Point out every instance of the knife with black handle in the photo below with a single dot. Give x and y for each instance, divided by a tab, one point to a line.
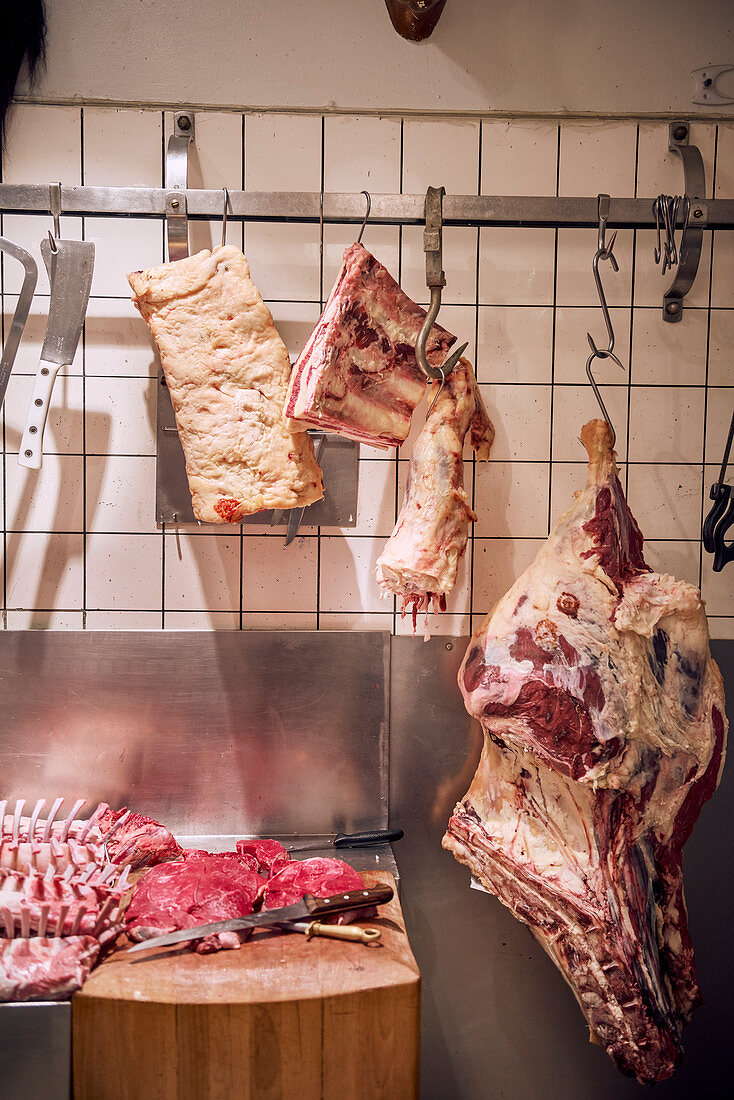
350	840
308	908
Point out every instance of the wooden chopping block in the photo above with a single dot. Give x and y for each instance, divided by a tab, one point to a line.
283	1017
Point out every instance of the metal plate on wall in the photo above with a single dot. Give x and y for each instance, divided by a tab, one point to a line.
339	461
244	732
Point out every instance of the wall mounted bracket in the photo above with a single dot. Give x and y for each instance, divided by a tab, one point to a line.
695	219
177	179
705	91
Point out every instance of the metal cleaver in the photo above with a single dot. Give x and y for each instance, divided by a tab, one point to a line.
70	268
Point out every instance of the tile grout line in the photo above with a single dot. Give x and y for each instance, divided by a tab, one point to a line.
554	324
472	559
633	275
242	244
163	258
84	400
321	308
396	457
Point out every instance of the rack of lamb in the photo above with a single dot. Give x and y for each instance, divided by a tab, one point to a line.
603	715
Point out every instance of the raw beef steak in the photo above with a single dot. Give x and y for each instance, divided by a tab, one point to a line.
268	855
319	876
201	889
604	725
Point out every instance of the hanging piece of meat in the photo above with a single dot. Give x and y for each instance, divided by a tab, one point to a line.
227	371
358	374
603	715
421	558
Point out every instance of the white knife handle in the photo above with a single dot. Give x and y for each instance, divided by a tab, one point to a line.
31	445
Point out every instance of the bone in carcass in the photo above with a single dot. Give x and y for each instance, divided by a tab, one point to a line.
421	558
41	969
227	371
358	374
201	889
603	716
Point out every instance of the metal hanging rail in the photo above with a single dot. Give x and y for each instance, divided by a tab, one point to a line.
348	208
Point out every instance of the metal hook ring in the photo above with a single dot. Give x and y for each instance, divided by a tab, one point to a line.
366	216
224	216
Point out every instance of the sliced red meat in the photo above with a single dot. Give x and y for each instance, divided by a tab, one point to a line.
201	889
358	374
139	841
321	877
268	855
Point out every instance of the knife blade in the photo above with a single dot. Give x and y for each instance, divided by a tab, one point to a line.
294	519
350	840
70	269
308	907
21	310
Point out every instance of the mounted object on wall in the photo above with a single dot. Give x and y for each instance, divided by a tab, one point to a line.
415	19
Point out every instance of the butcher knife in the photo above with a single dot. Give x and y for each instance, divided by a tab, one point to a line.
70	265
350	840
21	310
308	908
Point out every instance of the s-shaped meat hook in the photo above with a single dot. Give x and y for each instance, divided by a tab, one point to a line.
603	252
435	281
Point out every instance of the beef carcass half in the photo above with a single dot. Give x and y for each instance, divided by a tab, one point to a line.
227	370
421	558
603	715
358	374
200	890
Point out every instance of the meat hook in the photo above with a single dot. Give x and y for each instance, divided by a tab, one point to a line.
54	204
366	216
435	281
721	514
603	252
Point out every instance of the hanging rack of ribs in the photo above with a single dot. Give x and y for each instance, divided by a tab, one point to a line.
603	715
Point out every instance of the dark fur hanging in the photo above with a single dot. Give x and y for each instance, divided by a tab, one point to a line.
22	36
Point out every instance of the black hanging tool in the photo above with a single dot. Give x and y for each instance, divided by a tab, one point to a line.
721	517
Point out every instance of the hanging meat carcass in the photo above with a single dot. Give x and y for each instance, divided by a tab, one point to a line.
421	558
603	715
358	374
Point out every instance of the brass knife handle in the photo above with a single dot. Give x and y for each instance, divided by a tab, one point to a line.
350	899
343	932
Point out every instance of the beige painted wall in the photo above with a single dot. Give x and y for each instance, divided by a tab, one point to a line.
537	56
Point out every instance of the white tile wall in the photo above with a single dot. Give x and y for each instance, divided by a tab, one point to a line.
80	545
